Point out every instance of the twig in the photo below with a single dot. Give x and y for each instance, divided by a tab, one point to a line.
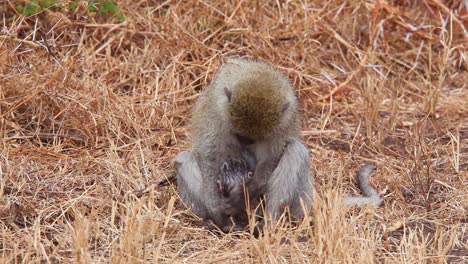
39	90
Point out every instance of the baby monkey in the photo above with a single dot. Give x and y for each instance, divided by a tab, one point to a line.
235	174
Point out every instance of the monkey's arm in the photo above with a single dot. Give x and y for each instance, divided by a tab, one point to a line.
291	183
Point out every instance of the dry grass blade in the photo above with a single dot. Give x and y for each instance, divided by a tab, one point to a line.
95	102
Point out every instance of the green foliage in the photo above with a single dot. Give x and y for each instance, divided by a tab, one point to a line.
93	6
109	7
102	7
34	7
74	5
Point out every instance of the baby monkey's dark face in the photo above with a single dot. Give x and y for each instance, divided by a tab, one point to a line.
243	140
235	173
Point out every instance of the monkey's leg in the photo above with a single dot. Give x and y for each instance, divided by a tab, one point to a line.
291	183
189	183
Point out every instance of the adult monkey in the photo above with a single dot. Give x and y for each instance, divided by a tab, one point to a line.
250	107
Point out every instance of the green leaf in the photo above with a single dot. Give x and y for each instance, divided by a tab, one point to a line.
122	18
109	7
73	6
93	6
20	9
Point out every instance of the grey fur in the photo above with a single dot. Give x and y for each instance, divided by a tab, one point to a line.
213	143
282	164
371	196
235	173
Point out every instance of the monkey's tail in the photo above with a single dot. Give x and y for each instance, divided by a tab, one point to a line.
371	196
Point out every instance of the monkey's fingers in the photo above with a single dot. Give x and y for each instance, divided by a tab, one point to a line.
220	186
225	168
212	227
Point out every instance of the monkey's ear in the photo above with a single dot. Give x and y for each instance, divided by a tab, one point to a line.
228	93
285	107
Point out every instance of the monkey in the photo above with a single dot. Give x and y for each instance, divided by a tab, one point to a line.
218	131
250	106
232	184
235	174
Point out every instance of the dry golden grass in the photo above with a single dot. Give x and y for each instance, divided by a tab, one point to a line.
92	111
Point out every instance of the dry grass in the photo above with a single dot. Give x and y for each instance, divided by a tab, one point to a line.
92	111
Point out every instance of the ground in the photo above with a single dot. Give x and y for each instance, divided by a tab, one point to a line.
95	102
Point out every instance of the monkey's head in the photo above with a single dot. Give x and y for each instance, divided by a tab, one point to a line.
257	106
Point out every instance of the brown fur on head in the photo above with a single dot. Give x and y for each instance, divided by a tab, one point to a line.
256	106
